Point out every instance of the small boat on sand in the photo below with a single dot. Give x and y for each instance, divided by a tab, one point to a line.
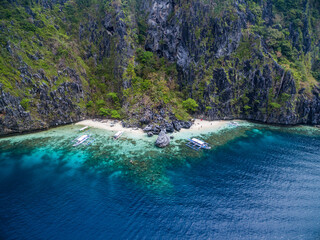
197	144
84	129
233	124
118	135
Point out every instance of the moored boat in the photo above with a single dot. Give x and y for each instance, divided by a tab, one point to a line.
81	140
84	129
197	144
118	135
233	124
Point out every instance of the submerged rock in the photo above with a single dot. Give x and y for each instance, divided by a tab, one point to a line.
163	139
150	134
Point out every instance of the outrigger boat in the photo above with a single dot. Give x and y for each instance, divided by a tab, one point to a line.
80	140
233	124
118	135
87	139
84	129
197	144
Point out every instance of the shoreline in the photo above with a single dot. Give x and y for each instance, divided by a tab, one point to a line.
198	127
109	125
140	131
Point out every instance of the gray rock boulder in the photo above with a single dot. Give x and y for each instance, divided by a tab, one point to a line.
163	139
156	130
148	128
176	125
169	127
185	124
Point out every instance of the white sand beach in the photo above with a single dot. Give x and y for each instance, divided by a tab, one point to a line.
199	127
205	126
109	125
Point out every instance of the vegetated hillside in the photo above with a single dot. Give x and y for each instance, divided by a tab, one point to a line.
156	61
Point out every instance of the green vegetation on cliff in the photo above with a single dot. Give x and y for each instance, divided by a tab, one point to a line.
249	59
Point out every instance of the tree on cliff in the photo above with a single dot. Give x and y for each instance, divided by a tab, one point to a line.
190	105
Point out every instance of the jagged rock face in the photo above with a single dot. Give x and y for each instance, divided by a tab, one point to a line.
54	107
10	112
61	99
228	96
222	65
169	127
254	88
267	12
50	3
109	35
172	33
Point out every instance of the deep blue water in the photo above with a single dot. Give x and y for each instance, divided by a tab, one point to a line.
265	186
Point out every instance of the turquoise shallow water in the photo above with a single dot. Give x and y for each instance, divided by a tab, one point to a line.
257	182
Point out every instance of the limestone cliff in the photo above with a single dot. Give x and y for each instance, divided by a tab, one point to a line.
139	60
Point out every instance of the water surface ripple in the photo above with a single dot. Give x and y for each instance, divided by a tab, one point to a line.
263	184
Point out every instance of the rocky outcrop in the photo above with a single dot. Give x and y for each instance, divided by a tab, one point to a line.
49	107
110	36
39	101
163	140
13	118
172	33
231	75
170	127
221	60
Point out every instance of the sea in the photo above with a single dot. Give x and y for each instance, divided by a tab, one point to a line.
256	182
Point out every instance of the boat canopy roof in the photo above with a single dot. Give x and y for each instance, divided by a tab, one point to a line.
118	133
198	141
82	137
